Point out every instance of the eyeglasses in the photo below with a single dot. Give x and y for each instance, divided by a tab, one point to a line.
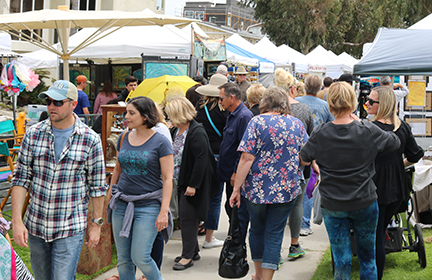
222	98
371	101
57	103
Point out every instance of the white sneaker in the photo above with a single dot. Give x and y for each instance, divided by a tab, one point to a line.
306	231
214	243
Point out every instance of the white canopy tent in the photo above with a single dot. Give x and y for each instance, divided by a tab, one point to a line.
122	46
266	49
188	30
348	59
300	60
64	20
320	57
241	42
425	23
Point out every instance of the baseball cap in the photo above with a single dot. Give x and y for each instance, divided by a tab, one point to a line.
347	78
82	79
60	90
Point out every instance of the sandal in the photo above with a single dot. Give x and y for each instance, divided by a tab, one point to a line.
114	277
201	229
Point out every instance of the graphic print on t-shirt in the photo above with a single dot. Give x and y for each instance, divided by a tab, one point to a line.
134	162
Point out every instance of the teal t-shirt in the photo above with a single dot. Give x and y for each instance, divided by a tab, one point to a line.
141	170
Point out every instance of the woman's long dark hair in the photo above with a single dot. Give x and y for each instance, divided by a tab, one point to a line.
107	89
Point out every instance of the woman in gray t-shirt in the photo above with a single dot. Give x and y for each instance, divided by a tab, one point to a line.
345	151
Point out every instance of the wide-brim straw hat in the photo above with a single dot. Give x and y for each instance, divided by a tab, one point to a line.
211	89
241	71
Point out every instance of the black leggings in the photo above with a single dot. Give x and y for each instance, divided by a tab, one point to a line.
386	212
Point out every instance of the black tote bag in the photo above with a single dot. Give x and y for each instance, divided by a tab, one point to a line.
232	260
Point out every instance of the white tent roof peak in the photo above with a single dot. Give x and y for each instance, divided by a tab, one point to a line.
425	23
188	30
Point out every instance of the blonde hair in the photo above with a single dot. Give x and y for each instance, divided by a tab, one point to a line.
341	98
284	79
180	111
301	89
387	106
173	93
255	93
161	114
275	99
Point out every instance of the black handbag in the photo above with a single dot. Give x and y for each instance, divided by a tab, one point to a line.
232	260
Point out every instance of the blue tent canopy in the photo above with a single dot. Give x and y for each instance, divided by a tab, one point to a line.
237	50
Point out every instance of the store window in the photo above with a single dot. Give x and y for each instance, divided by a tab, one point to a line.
159	5
83	5
21	6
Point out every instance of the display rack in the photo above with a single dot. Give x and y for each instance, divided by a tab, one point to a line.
113	124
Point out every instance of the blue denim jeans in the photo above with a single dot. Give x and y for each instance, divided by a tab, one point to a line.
364	223
136	249
307	209
213	214
56	260
266	231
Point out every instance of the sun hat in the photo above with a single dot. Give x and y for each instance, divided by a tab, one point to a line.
212	89
241	71
60	90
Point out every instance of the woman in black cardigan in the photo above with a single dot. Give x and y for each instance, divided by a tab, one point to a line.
194	169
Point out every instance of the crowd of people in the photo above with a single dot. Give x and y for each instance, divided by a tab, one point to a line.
174	162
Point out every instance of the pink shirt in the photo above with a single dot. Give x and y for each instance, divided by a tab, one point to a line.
102	100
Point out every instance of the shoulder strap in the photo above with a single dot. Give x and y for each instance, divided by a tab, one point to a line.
211	122
122	138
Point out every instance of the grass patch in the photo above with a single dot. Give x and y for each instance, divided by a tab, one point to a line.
400	265
24	253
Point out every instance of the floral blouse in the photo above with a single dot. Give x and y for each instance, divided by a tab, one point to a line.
178	146
275	141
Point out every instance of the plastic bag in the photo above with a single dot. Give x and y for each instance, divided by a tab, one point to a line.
311	184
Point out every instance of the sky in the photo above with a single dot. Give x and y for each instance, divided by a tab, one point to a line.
175	7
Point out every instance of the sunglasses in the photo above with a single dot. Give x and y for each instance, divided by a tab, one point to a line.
57	103
371	101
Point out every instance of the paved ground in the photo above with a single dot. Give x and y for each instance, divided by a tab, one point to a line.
300	269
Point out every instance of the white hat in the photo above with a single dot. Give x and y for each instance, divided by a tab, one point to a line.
212	89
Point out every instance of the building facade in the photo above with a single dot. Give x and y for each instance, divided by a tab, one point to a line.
229	14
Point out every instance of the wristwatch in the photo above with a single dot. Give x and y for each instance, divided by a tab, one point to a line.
98	221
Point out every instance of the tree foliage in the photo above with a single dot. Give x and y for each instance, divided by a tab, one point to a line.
338	25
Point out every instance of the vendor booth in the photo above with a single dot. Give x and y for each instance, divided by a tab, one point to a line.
323	63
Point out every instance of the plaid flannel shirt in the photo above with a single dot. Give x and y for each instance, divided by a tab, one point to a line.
59	191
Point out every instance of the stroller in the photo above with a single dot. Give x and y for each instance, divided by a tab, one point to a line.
395	238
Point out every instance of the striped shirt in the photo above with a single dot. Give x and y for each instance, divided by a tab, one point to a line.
59	191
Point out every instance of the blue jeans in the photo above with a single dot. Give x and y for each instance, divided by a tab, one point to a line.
307	209
364	223
212	221
136	249
268	223
56	260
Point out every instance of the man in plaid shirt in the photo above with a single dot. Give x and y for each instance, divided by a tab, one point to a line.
61	164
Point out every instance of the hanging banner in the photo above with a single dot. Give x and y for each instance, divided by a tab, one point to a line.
209	49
